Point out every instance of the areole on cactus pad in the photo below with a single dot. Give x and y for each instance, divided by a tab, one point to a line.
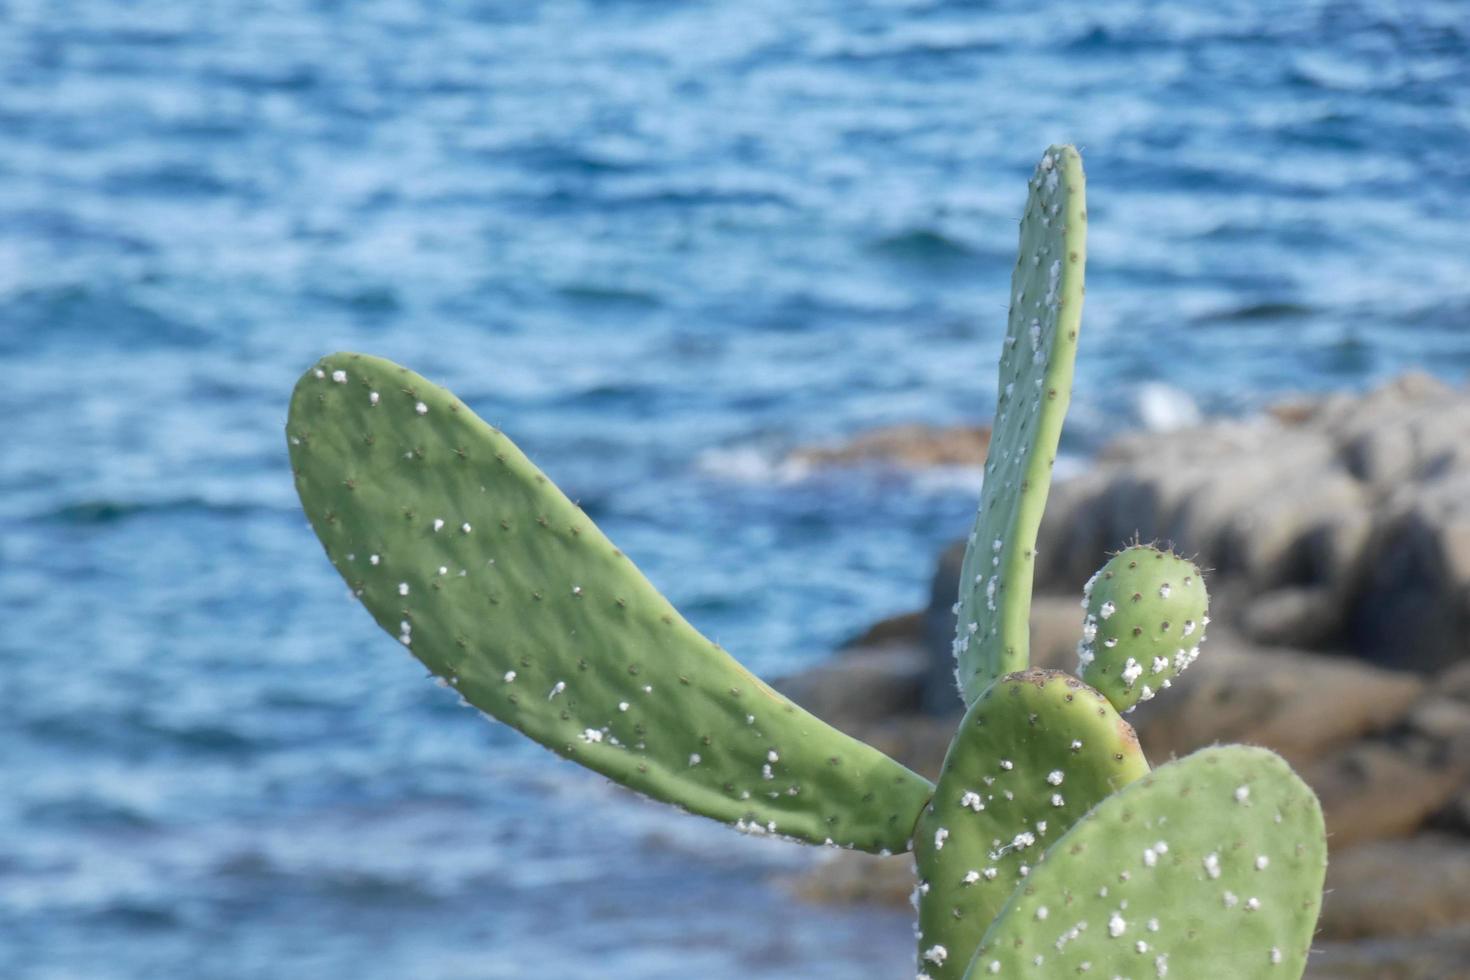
1047	847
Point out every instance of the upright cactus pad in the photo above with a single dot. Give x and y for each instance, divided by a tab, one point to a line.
1146	617
503	588
1034	753
1035	388
1211	866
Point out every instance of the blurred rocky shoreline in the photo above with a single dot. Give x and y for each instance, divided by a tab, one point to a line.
1335	534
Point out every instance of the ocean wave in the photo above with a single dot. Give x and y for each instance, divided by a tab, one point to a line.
105	510
81	315
601	296
1263	310
923	246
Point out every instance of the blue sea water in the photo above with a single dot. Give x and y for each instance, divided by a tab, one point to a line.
659	244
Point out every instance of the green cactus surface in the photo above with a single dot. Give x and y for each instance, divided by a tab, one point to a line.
1146	617
1035	387
1211	866
467	554
1034	754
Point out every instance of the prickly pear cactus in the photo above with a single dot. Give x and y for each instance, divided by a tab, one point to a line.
1035	388
1048	849
467	554
1034	753
1146	617
1211	866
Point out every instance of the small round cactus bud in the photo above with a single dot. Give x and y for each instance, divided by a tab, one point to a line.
1145	620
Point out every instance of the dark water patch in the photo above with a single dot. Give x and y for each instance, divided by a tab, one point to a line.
1169	173
352	885
932	53
800	311
138	915
1349	356
373	302
1332	130
925	247
1270	310
625	396
1103	39
673	199
360	887
89	319
135	732
609	297
1245	278
172	181
559	158
68	231
265	77
1447	312
104	511
91	813
1236	231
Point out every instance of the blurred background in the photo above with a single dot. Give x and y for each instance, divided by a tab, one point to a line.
690	256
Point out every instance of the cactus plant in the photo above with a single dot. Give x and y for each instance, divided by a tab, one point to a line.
1046	848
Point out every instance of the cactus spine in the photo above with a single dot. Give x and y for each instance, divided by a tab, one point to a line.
1047	847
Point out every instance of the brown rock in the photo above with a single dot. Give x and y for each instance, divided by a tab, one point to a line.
1397	888
905	628
1441	956
1300	704
940	693
1375	790
1056	628
861	687
845	877
919	742
1442	719
1455	682
1293	616
904	446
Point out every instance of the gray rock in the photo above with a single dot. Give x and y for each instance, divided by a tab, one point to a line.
1455	682
863	687
940	692
1341	523
1293	616
847	877
1438	956
1413	600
